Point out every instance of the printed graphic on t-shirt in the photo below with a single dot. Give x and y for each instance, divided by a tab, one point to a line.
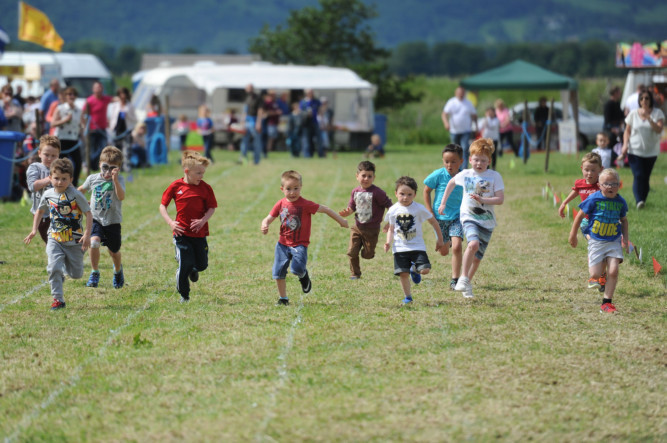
290	222
481	188
364	202
406	227
65	219
102	196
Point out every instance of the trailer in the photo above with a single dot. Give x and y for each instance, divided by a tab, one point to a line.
222	89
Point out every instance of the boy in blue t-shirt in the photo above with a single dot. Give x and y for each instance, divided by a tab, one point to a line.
449	222
608	231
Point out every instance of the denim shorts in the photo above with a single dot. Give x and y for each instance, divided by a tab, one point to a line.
298	255
450	228
476	232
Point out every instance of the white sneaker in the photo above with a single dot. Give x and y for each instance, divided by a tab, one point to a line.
462	284
468	292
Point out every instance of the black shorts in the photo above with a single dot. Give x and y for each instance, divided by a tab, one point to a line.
404	260
110	235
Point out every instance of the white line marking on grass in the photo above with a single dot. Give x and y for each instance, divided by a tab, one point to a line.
27	294
282	358
76	376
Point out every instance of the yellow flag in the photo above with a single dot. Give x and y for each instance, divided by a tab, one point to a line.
35	27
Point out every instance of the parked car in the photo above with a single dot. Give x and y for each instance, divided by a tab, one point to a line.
589	123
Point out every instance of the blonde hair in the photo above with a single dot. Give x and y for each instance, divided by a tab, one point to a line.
49	140
190	159
290	175
592	157
611	171
482	146
112	154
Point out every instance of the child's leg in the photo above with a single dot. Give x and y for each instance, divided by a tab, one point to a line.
595	271
74	261
299	261
405	283
282	287
56	260
457	256
353	250
115	258
95	242
612	277
369	240
186	262
473	267
468	257
200	248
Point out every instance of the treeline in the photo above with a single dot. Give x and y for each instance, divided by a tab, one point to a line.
592	58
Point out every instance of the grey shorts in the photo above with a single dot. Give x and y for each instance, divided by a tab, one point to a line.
599	250
476	232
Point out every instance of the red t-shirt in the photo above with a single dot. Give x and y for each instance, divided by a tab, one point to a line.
584	189
192	202
97	109
294	220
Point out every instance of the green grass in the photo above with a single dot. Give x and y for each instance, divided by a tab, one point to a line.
530	358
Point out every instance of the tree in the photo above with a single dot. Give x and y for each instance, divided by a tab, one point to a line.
335	34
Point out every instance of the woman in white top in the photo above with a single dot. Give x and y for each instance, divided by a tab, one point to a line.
122	120
67	122
641	143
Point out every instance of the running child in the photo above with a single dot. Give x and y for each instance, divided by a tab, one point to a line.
607	155
66	241
449	222
608	231
195	204
295	214
106	201
368	202
591	166
405	236
38	177
483	188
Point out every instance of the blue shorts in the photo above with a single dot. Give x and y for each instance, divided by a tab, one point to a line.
109	235
298	255
450	228
272	131
476	232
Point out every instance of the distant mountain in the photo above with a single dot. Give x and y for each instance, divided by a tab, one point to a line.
217	26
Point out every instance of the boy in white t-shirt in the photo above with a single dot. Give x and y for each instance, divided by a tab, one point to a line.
482	189
405	220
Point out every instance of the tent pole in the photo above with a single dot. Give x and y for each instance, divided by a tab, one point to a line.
548	136
526	147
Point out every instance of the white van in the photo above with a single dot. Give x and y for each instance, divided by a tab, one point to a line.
35	70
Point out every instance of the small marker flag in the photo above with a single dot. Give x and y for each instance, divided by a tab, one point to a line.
656	266
35	27
512	164
567	210
640	255
574	213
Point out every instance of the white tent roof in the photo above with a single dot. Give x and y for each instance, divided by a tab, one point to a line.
261	75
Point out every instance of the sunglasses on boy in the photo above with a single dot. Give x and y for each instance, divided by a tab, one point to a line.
108	168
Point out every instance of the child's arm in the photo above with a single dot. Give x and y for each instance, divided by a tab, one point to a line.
571	196
173	224
199	223
625	240
575	227
35	225
497	199
448	190
120	192
427	199
390	238
341	221
436	227
85	240
266	222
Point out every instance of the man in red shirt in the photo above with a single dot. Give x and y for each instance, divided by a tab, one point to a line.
96	110
195	204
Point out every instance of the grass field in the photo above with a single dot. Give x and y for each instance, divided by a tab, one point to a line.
529	358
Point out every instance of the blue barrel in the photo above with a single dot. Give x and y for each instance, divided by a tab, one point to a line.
8	140
380	127
155	140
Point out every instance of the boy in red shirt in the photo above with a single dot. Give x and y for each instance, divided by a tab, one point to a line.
295	213
195	204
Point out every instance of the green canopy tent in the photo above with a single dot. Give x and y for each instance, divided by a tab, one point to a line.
523	75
